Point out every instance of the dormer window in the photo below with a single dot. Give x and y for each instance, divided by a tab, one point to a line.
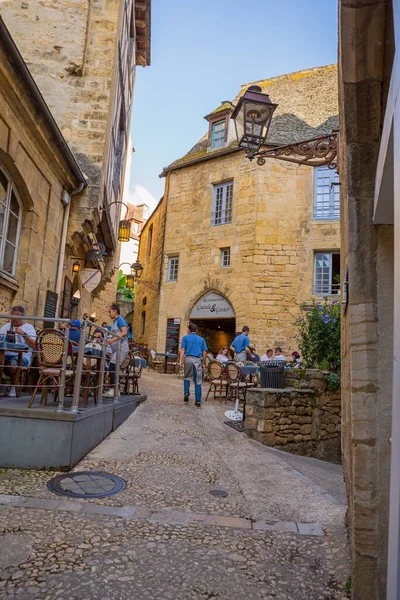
218	134
218	126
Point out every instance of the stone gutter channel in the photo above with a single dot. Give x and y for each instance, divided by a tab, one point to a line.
164	516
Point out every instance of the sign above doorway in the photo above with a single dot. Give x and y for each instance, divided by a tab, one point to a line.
212	306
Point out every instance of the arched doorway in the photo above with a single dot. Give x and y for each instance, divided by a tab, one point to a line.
215	319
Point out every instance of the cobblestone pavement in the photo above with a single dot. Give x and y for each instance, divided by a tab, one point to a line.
277	535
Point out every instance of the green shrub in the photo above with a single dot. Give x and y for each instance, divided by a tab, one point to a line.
318	334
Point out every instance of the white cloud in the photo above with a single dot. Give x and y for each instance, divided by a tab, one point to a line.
141	195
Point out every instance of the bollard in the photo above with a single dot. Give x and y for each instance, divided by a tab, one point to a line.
117	366
61	392
78	372
102	372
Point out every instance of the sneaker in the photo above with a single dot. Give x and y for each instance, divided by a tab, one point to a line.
186	398
198	404
12	393
109	394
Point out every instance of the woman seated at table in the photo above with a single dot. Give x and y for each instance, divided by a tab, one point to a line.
223	355
20	333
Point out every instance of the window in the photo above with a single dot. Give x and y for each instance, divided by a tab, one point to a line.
173	263
218	134
326	273
222	203
149	240
326	194
142	322
225	257
10	224
144	301
119	151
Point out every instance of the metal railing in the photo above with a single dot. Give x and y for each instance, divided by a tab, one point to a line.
63	367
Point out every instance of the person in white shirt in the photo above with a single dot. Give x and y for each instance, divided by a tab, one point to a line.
279	355
268	355
223	355
23	334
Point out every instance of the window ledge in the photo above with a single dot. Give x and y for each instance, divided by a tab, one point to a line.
8	281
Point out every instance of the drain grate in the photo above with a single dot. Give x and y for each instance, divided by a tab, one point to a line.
86	484
219	493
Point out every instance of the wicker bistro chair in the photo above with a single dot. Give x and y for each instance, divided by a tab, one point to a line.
90	374
237	383
130	375
50	348
218	380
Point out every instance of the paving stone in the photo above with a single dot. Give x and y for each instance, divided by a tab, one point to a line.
221	521
115	511
310	529
280	526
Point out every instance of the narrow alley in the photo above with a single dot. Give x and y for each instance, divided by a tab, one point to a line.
277	533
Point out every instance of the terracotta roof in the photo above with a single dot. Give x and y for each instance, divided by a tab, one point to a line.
307	107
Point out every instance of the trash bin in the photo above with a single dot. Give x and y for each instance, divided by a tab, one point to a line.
272	374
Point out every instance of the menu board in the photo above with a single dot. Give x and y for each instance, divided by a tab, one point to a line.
50	309
173	328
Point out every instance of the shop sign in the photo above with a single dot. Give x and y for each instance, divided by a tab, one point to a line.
212	306
90	279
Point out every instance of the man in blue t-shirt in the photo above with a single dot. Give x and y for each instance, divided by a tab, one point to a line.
241	346
192	354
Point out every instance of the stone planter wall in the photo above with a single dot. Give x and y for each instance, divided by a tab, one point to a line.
304	418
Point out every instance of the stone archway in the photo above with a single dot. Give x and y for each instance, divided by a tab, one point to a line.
216	320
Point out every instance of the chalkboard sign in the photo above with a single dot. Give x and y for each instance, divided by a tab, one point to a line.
50	309
172	344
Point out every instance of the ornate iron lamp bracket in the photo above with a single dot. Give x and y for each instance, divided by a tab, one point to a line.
315	152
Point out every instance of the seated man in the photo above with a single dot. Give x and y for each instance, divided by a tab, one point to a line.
25	335
255	357
279	355
268	355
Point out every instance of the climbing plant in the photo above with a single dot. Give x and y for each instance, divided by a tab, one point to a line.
129	294
318	334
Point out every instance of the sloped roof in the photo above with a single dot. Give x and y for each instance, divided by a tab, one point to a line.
307	107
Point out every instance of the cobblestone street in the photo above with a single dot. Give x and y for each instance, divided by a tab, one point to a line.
278	534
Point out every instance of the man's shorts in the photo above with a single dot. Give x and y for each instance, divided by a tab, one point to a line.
12	359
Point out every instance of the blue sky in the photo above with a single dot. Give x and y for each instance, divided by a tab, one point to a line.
201	53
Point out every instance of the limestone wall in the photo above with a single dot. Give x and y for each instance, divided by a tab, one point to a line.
272	239
304	418
147	295
366	55
29	156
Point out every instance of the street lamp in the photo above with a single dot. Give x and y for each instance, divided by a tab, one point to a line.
124	226
130	281
76	267
137	268
252	117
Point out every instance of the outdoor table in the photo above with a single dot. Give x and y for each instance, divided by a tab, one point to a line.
166	355
250	370
11	347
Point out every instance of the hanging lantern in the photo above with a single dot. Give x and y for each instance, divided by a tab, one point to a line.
124	231
76	267
138	269
130	281
252	117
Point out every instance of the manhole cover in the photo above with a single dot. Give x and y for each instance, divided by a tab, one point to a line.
219	493
86	484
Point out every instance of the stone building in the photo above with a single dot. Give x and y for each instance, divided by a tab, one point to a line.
369	77
233	243
38	176
83	57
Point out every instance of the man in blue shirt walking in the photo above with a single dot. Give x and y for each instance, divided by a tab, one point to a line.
241	346
192	354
